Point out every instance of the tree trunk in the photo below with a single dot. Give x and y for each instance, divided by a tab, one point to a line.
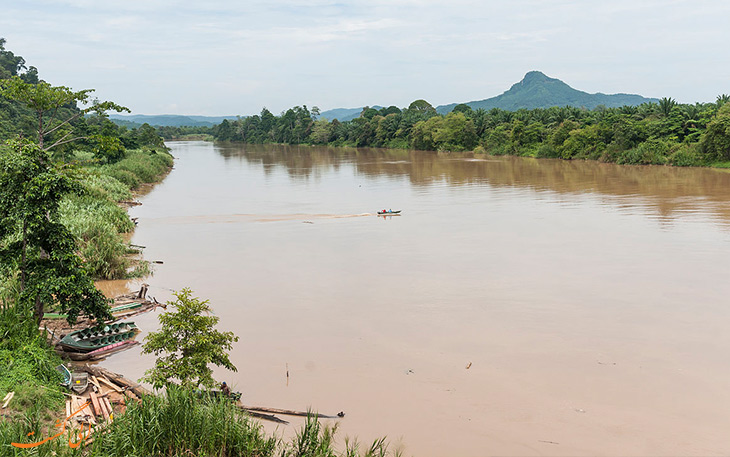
40	129
22	259
38	309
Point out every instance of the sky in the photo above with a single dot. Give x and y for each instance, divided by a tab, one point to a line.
234	57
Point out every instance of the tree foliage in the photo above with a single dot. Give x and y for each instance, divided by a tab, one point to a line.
666	132
186	344
55	108
34	242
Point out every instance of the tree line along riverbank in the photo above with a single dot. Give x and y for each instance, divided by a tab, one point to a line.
663	133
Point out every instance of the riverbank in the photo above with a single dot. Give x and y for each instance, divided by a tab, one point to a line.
668	133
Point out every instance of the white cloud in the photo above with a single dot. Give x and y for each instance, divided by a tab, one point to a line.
223	56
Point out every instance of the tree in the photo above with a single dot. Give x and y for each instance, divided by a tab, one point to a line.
12	65
462	108
55	107
666	104
716	139
190	342
34	242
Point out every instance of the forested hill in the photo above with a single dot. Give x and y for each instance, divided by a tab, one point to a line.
167	120
536	90
344	114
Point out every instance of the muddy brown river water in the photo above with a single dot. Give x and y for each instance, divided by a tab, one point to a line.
516	307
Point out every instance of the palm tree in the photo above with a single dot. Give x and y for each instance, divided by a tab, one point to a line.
722	99
666	104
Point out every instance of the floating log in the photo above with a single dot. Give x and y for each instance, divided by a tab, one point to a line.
137	389
268	417
288	412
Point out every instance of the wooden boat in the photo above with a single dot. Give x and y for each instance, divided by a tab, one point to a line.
93	338
124	308
99	353
119	309
66	375
388	213
233	396
79	382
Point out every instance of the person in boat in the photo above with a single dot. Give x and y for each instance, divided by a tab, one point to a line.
225	389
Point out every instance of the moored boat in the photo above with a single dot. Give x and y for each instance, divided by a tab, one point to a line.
93	338
79	382
98	354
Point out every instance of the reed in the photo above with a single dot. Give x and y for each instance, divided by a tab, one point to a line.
140	166
97	223
182	423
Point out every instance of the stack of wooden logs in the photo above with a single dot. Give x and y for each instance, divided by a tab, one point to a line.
107	395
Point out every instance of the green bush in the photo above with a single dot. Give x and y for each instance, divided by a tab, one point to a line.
686	155
650	152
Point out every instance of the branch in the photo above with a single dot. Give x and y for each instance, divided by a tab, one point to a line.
74	117
61	141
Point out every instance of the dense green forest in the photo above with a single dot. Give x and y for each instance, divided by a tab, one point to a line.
660	133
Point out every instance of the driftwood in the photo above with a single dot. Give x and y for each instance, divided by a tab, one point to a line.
137	389
268	417
288	412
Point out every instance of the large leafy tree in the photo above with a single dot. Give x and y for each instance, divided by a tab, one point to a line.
34	242
716	140
186	344
55	108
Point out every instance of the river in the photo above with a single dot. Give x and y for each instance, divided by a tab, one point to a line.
516	307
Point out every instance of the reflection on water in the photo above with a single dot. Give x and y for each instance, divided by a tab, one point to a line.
589	301
667	192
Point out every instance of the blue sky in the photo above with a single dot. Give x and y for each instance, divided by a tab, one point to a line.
219	57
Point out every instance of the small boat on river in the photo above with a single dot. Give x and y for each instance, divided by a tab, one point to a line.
93	338
389	213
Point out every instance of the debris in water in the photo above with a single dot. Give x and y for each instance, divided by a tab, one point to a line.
307	222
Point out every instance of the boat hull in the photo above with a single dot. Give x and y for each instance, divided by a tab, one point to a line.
93	338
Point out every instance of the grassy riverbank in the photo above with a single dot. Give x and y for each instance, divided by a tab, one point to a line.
97	219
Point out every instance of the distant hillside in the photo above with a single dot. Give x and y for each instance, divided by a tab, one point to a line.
167	120
343	114
539	91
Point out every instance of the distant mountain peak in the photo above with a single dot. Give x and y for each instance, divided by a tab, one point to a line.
537	90
534	76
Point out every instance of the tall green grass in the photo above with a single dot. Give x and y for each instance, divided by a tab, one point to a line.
181	423
27	367
96	219
139	167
